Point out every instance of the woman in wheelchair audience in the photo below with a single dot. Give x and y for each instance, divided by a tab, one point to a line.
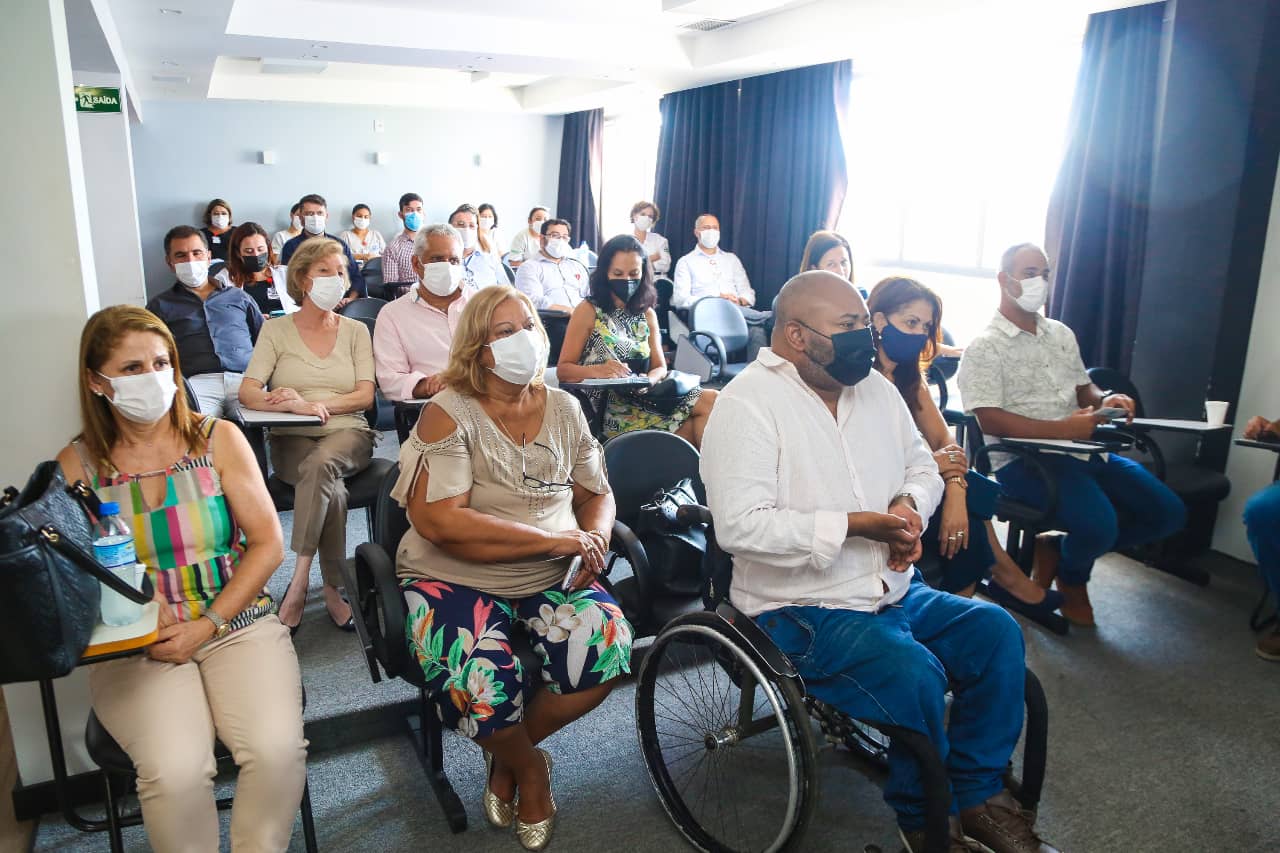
614	333
907	319
206	530
316	362
504	486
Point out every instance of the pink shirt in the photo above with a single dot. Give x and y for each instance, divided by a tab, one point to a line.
411	341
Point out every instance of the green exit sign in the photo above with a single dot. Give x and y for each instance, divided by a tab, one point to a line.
97	99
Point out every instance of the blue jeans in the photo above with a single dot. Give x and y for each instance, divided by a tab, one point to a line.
1262	522
1103	506
895	667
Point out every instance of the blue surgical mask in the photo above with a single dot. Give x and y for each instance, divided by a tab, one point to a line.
413	220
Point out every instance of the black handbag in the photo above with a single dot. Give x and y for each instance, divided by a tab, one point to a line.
675	549
49	593
665	395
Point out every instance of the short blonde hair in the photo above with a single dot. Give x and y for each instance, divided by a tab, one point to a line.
307	254
465	374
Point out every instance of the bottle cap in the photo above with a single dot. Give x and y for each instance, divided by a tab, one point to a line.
109	508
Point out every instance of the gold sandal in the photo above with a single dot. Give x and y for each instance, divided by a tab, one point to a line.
497	811
536	836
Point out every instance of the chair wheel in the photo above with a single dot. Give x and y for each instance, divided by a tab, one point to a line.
729	746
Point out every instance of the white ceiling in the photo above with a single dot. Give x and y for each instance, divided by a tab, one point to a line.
529	55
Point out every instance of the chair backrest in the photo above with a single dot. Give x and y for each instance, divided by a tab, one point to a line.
1110	379
665	287
390	521
372	272
364	309
642	462
507	268
193	402
556	323
720	316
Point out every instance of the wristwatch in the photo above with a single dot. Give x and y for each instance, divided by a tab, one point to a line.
907	496
221	627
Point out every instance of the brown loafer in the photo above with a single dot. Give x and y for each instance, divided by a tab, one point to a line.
1268	647
1001	825
959	843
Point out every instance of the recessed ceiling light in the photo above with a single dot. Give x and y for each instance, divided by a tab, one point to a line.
310	56
169	62
164	11
484	59
319	47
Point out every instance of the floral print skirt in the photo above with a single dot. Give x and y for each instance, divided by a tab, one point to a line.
461	637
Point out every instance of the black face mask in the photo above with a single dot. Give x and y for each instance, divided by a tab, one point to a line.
253	263
854	354
624	288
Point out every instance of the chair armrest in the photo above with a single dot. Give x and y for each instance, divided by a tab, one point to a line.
982	463
716	343
1139	440
625	543
363	600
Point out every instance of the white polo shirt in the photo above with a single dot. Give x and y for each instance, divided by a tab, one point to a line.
700	274
548	283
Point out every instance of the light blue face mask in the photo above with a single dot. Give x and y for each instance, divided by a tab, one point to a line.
413	220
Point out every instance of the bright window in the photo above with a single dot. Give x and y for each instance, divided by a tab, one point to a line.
951	161
630	157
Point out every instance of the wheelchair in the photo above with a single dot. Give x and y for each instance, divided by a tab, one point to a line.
727	731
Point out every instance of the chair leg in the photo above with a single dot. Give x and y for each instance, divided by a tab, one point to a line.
428	740
114	831
308	820
368	518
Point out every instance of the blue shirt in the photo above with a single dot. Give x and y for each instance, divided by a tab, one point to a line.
214	335
353	269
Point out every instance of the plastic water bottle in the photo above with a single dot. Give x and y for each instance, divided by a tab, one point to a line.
112	538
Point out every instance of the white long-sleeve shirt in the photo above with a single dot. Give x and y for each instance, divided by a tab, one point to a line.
700	274
548	283
782	475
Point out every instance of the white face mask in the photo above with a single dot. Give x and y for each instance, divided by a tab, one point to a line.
644	222
143	398
295	222
486	222
518	358
1034	292
710	238
557	247
469	238
536	227
220	220
361	222
441	277
314	223
192	273
326	291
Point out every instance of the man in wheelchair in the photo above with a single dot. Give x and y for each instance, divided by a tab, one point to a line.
819	481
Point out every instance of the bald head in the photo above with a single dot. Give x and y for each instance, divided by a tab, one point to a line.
819	299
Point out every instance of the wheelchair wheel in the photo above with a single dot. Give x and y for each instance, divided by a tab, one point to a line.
728	744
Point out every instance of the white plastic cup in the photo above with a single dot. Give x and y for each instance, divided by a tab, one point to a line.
116	609
1216	411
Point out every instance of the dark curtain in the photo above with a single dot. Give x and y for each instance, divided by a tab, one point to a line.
581	159
792	175
697	162
1098	214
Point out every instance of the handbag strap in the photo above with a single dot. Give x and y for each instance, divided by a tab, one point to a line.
86	563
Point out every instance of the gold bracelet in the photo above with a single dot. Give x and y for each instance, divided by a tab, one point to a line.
963	483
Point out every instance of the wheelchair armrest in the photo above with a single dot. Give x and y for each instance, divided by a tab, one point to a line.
716	343
757	640
981	462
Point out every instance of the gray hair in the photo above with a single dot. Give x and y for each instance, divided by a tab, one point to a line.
1006	260
425	233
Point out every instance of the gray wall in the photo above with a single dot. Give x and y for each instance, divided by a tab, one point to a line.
187	153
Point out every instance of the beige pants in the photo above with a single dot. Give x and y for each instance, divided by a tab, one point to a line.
245	689
315	467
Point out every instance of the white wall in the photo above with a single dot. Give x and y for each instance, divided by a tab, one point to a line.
113	206
185	154
45	202
1251	469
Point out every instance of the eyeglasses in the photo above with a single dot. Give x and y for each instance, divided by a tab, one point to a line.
532	481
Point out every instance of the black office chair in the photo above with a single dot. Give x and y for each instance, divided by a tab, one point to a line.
1201	488
372	273
380	615
118	774
366	310
193	402
718	329
641	464
509	270
556	323
665	287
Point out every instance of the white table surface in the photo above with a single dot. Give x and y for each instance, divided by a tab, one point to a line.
256	417
1064	444
1176	424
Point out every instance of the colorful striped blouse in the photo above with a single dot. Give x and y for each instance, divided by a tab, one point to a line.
191	543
